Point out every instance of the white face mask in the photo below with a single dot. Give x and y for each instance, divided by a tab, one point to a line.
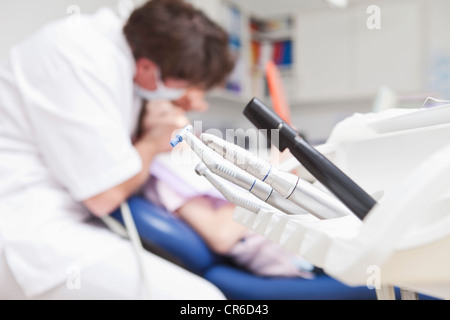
161	92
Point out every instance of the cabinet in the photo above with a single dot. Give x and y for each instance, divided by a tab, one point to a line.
272	39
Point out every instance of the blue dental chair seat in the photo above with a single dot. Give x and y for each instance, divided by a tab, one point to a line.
167	235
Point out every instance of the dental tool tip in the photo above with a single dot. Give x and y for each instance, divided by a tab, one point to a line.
201	169
176	141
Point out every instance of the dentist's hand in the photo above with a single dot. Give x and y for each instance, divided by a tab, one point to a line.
160	123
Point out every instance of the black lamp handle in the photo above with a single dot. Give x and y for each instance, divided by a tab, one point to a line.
344	188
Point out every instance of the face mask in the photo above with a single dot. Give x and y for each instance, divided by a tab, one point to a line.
161	93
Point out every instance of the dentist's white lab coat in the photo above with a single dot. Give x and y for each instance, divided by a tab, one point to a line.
67	111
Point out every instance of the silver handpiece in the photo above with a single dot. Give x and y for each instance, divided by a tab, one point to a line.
231	195
291	187
218	165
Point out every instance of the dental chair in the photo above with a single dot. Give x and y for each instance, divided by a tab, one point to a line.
166	235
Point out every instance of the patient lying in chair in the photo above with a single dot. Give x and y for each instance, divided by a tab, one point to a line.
180	191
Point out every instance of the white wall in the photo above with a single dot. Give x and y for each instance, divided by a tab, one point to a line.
343	65
339	56
19	18
438	48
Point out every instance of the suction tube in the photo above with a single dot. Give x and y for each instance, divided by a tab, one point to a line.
345	189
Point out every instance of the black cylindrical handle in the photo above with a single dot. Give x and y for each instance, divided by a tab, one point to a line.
264	118
344	188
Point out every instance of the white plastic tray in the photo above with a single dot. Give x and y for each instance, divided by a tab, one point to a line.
405	239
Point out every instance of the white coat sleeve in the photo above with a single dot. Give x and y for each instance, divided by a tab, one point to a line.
79	131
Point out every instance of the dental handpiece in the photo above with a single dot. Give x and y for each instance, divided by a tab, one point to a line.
290	186
223	168
228	192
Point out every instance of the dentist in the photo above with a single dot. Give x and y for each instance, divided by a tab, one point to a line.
71	97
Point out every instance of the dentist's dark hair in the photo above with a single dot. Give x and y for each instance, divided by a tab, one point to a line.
182	41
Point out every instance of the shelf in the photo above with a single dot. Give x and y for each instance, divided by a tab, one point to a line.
278	35
241	100
228	96
286	70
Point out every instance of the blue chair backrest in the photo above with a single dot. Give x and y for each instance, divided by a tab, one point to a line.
165	231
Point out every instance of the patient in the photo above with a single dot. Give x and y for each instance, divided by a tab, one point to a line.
212	217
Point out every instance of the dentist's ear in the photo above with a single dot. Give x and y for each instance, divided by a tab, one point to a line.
145	75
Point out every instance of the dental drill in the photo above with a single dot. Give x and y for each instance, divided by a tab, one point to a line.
288	185
229	193
219	166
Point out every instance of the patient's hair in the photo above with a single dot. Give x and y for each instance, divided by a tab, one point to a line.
181	40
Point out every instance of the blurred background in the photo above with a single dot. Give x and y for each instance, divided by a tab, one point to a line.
335	58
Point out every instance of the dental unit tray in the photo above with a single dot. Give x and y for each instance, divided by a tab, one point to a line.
404	241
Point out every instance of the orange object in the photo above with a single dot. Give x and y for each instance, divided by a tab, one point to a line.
277	92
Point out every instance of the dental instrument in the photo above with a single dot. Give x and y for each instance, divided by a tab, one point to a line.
231	195
218	165
288	185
